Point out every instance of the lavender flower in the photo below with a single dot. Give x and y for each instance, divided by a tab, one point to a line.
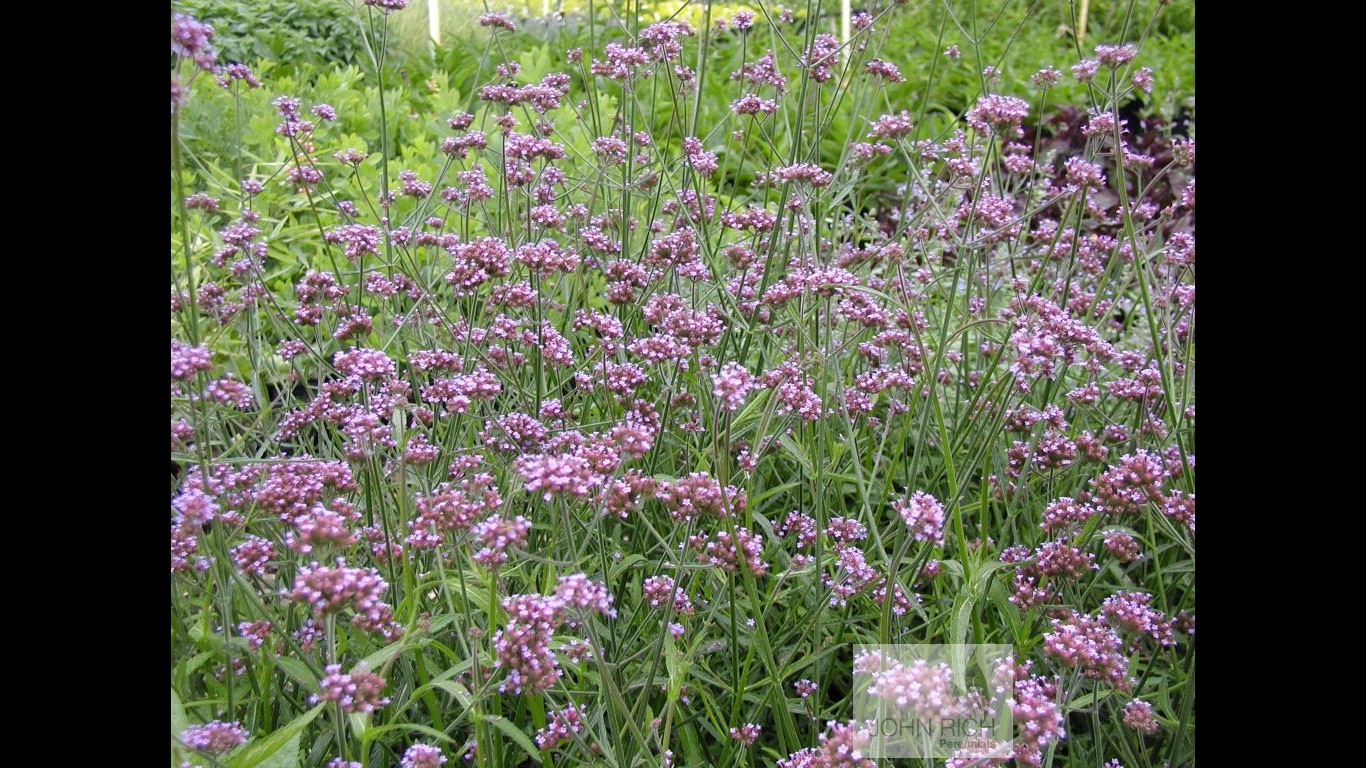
1138	714
214	736
421	755
924	516
358	691
564	723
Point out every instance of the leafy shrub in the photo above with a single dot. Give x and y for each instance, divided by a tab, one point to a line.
559	396
297	36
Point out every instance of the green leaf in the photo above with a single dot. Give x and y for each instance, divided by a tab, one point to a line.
286	757
750	413
1000	597
359	722
769	492
625	564
798	453
179	722
514	733
676	667
382	656
460	692
426	730
298	670
256	753
1081	702
962	610
536	63
969	597
952	567
196	661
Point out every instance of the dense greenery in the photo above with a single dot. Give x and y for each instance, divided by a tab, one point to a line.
531	405
294	36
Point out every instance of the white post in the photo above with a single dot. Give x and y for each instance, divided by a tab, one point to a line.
844	23
434	21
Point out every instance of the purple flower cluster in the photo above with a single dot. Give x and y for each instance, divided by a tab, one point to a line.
1132	611
496	535
920	689
570	474
731	384
1001	114
333	589
214	736
1038	719
821	59
842	745
191	38
522	646
1138	714
924	516
746	734
730	552
578	591
659	591
497	21
564	723
358	691
698	493
421	755
1086	643
592	312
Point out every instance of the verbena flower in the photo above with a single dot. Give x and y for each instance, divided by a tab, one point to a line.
564	723
924	516
214	736
421	755
1138	714
357	691
746	734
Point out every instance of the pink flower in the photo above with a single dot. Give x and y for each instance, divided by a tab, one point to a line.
746	734
358	691
1003	114
568	473
579	591
214	736
920	689
660	590
497	21
331	590
822	57
731	384
1086	643
564	723
1115	55
884	69
421	755
890	126
497	534
924	516
1138	714
1038	720
522	647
